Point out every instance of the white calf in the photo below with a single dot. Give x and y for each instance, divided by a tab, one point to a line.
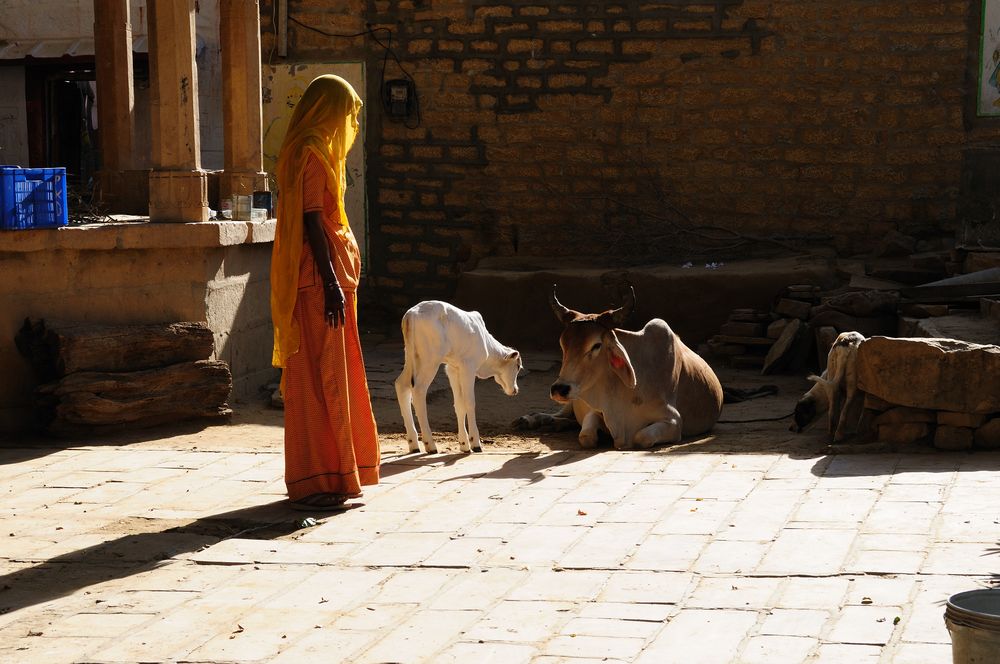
436	333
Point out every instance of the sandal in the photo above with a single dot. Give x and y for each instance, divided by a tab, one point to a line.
323	502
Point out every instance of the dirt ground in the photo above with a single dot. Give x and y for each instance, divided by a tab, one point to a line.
496	412
255	425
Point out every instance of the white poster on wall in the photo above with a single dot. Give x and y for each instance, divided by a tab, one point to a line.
282	87
989	61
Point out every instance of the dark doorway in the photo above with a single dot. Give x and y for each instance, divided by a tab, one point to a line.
62	119
61	100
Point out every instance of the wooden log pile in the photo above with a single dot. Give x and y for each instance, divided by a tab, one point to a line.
100	377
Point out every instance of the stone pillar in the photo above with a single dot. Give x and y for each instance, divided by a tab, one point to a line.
115	96
178	187
243	151
116	108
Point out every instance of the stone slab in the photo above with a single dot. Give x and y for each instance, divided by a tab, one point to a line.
947	437
936	374
902	415
793	308
988	435
971	420
904	433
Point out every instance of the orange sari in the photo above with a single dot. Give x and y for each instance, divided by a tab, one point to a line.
331	441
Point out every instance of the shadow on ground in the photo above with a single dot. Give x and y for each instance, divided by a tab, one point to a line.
138	552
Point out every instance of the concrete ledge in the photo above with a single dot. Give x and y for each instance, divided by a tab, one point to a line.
134	271
970	327
138	234
512	295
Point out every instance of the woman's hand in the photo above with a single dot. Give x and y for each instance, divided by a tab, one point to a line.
333	296
333	304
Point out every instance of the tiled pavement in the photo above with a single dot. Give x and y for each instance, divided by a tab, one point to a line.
179	549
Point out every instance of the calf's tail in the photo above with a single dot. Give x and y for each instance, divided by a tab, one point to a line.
409	351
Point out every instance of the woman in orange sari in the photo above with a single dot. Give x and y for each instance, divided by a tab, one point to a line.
331	443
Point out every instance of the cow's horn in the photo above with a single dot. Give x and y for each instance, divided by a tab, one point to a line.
621	314
561	312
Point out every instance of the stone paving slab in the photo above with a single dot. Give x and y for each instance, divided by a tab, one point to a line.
181	549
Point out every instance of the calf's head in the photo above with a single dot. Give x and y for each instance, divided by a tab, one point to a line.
591	351
507	370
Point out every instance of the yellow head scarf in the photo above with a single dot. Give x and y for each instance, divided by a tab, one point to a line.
324	124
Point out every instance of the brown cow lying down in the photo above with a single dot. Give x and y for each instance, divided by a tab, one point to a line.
642	388
835	391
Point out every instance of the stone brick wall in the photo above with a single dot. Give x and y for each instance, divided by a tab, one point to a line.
607	129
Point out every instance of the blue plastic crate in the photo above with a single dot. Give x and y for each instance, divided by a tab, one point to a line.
32	198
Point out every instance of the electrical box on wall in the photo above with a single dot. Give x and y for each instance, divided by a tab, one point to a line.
398	98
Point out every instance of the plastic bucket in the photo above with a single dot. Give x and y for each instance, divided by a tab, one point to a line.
973	620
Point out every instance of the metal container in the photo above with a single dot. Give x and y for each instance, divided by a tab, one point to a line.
973	620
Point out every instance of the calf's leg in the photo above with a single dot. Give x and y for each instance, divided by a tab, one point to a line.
404	395
422	379
459	402
467	379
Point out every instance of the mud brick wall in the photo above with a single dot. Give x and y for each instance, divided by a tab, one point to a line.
556	128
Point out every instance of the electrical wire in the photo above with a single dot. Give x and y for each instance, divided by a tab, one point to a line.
759	419
274	24
387	48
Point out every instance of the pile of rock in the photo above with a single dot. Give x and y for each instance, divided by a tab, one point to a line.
800	327
939	391
910	261
743	340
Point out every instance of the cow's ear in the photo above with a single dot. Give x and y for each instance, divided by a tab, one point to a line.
619	360
513	355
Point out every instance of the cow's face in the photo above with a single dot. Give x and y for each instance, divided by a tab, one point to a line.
591	351
507	372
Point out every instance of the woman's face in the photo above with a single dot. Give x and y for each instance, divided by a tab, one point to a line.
356	121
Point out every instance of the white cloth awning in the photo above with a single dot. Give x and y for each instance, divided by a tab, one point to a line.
56	48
